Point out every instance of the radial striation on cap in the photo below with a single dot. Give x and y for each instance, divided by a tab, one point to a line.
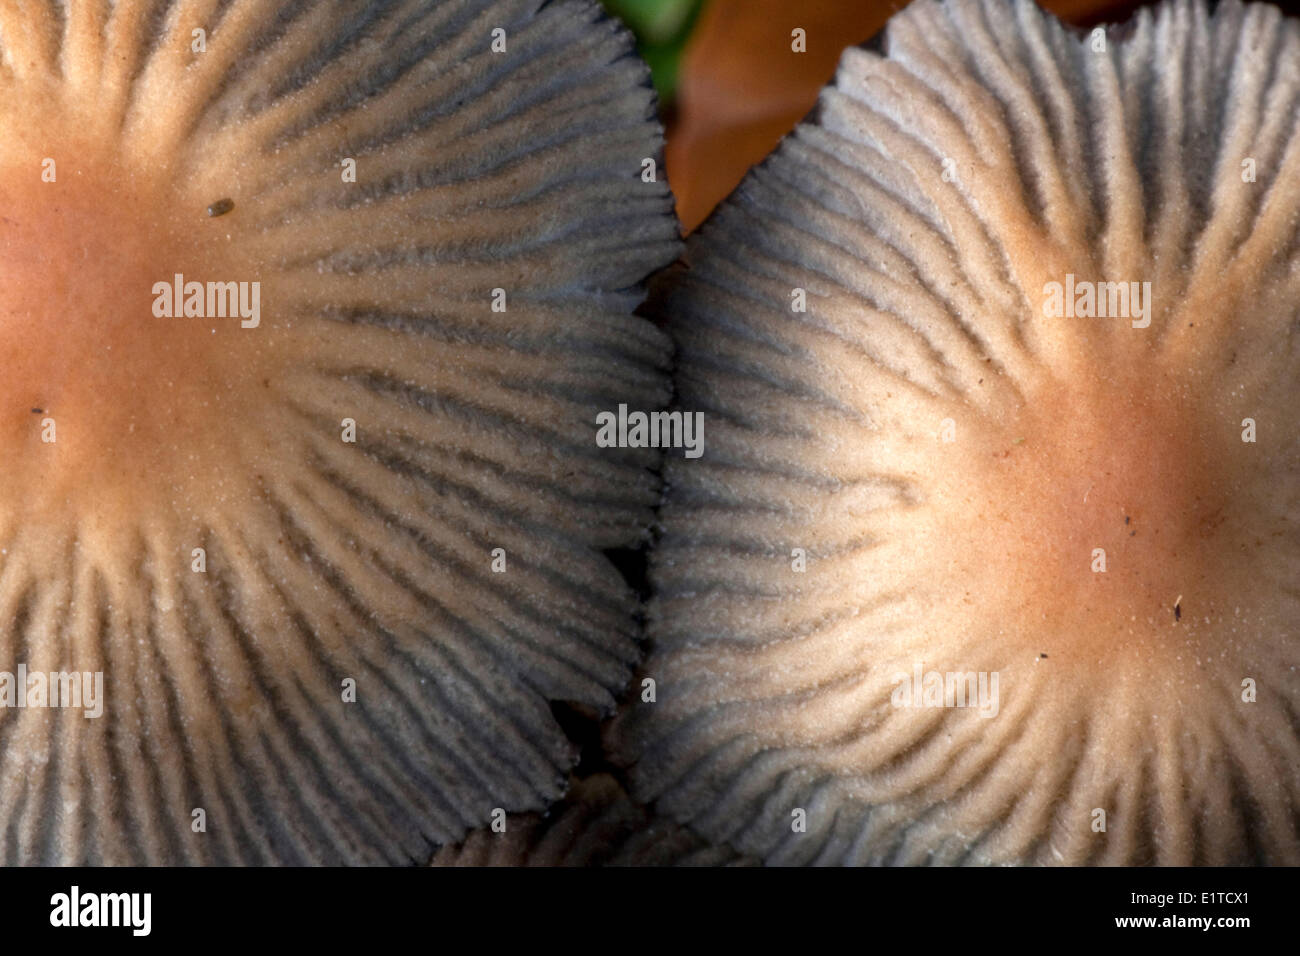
596	824
310	308
992	553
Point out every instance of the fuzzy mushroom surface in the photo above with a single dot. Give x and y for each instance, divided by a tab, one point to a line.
308	311
596	824
992	555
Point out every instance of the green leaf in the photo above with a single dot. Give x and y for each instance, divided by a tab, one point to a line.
662	28
655	22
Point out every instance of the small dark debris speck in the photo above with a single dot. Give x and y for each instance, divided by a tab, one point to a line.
221	207
38	411
1042	657
1178	612
1126	519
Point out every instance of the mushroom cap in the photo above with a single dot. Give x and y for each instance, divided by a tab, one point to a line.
277	541
596	824
1095	510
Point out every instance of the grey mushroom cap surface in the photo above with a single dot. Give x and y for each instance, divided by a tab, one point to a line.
992	553
333	563
596	824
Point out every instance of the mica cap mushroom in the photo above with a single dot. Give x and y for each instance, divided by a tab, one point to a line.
308	312
992	555
596	824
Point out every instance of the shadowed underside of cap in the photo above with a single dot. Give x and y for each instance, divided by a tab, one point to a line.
595	825
977	464
349	449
